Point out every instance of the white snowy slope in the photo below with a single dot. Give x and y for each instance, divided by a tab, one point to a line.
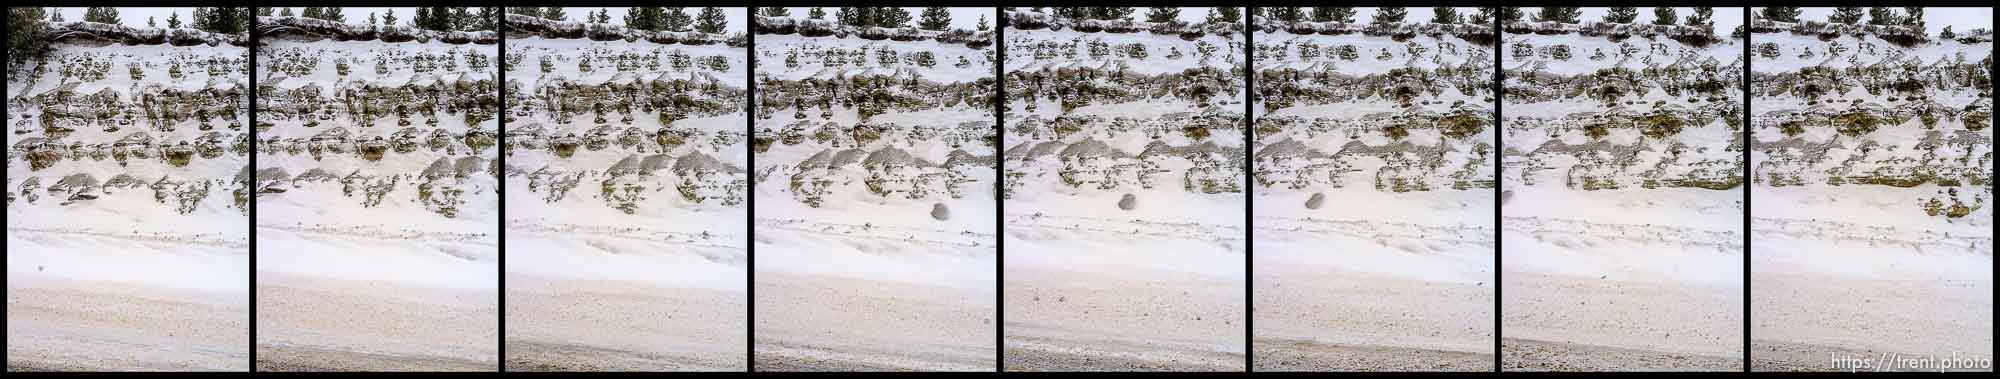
1872	230
377	197
1374	151
127	238
626	155
875	198
1124	191
1622	174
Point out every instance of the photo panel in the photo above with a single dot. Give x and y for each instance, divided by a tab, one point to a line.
1871	226
128	234
1124	189
377	189
626	163
1621	189
874	189
1374	152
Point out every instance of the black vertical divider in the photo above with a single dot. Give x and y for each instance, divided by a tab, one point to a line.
251	188
750	218
501	156
1249	176
1000	182
1499	176
1748	143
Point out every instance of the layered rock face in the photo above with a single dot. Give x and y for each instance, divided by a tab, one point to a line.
626	157
1125	188
896	117
377	187
874	184
1622	198
1875	107
128	195
385	118
642	123
1872	160
1374	151
1622	106
145	122
1397	108
1110	107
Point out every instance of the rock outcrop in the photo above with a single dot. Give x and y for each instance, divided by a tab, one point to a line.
1875	106
114	111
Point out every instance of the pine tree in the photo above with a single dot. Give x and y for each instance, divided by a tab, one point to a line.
712	21
816	13
287	12
1780	14
310	12
1665	16
56	16
389	18
265	11
1162	14
644	18
461	19
1947	34
1883	16
555	13
849	16
603	16
1482	16
524	11
935	18
1914	17
224	20
1845	15
775	12
150	23
1621	15
1444	15
1112	13
27	39
676	19
1703	17
982	24
1224	14
371	18
1344	15
443	19
892	17
1560	15
489	19
1333	14
174	20
105	15
1508	14
1067	12
332	14
1287	14
1390	15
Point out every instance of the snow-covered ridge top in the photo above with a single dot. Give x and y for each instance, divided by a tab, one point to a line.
79	31
522	26
1894	33
1031	20
1482	34
1697	36
315	28
829	28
